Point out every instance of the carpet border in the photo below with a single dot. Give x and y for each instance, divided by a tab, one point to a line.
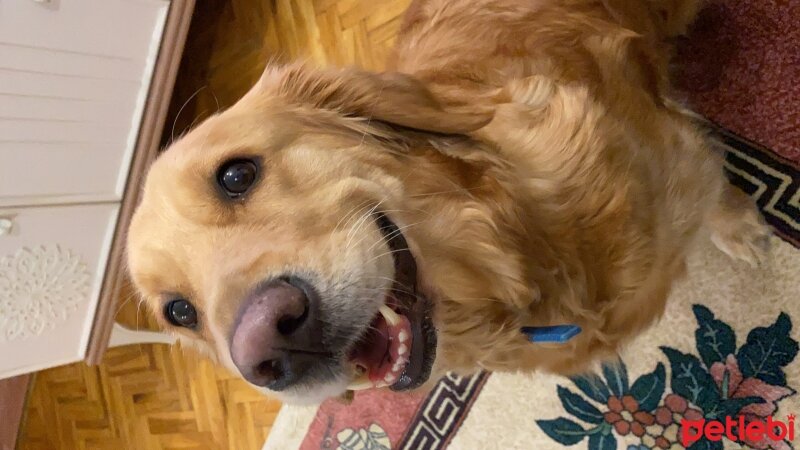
771	180
435	403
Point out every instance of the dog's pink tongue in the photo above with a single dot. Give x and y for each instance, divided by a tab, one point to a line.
379	353
373	354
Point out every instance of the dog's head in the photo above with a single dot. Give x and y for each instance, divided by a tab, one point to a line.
277	234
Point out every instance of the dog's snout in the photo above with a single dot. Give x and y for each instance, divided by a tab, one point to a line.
277	335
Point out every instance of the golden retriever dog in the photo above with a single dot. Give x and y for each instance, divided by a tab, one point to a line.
519	164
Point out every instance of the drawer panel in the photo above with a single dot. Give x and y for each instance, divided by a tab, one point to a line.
52	263
74	76
107	29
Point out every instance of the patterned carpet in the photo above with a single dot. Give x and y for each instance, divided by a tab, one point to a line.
740	68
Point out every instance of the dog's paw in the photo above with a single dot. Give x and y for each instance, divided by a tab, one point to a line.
746	237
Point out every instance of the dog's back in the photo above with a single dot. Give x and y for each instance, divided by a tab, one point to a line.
624	177
480	43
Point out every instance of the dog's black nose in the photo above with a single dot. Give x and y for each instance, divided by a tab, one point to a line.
277	337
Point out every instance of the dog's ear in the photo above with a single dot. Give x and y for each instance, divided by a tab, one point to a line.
390	97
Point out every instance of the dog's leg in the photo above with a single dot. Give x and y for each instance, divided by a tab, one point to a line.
737	227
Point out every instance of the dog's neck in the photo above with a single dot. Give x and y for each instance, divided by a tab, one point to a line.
480	236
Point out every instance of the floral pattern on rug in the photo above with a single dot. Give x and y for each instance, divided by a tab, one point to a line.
719	381
372	438
386	420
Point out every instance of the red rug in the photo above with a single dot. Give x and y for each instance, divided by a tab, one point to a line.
741	69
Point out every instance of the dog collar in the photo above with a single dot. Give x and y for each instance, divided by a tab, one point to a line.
557	334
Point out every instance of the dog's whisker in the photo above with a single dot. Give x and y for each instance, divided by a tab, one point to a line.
369	118
389	252
125	301
138	312
177	116
355	244
382	239
391	286
195	120
381	277
359	224
456	190
349	215
381	292
395	233
216	99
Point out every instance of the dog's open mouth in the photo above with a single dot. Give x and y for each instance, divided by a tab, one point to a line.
399	348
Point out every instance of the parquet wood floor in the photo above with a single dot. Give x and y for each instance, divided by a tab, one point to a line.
154	396
237	38
145	397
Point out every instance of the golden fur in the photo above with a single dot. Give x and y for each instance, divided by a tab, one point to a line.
528	149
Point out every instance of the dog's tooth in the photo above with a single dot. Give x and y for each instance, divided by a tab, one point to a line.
360	386
391	317
389	378
396	366
360	383
402	337
402	349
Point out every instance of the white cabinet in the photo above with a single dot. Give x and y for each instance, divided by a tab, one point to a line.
84	86
51	269
74	75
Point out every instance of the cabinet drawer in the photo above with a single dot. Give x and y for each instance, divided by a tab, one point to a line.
112	29
52	262
74	76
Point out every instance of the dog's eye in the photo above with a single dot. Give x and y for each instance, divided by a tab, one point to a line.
181	313
236	176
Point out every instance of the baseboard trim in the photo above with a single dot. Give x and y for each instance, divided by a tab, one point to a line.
13	393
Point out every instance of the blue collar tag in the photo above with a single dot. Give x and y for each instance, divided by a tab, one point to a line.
558	334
